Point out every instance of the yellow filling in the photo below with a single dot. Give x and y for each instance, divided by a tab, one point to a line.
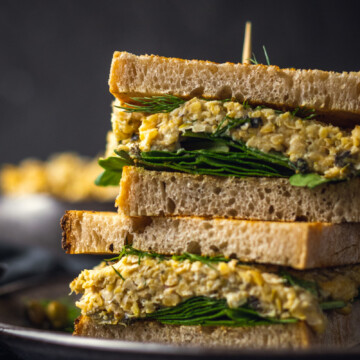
318	143
144	287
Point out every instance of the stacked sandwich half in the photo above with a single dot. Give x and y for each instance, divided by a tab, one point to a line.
238	217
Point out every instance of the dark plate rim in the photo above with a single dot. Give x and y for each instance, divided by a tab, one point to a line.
121	346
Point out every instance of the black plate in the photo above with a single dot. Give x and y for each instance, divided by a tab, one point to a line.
19	340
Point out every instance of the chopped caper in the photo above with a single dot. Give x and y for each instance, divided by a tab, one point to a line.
340	158
254	302
302	165
135	137
256	122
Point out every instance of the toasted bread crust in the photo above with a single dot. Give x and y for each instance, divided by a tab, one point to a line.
65	224
334	96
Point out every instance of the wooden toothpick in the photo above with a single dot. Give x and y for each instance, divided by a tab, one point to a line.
246	55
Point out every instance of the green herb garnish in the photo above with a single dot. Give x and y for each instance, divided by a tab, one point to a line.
305	114
232	123
153	104
129	250
118	273
254	61
208	260
332	305
212	312
310	286
266	56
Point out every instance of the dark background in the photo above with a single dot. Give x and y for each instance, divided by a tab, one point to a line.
55	55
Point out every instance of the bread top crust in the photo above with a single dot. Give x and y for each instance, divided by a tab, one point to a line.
334	96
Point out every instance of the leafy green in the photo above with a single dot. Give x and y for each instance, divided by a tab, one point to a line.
204	154
205	311
310	286
108	177
211	154
239	160
153	104
309	180
113	166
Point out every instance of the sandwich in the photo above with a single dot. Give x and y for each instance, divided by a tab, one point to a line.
170	293
286	141
238	211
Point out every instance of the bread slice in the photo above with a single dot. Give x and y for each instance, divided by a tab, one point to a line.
155	193
336	96
341	330
298	245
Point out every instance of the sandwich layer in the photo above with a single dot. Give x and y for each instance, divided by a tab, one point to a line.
195	290
337	95
340	331
235	121
308	145
156	193
299	245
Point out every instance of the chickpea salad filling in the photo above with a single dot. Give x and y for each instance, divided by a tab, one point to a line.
229	138
190	289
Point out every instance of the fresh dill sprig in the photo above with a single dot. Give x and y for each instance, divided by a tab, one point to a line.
246	105
206	311
207	260
254	61
118	273
266	55
153	104
313	288
129	250
305	114
232	124
331	305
